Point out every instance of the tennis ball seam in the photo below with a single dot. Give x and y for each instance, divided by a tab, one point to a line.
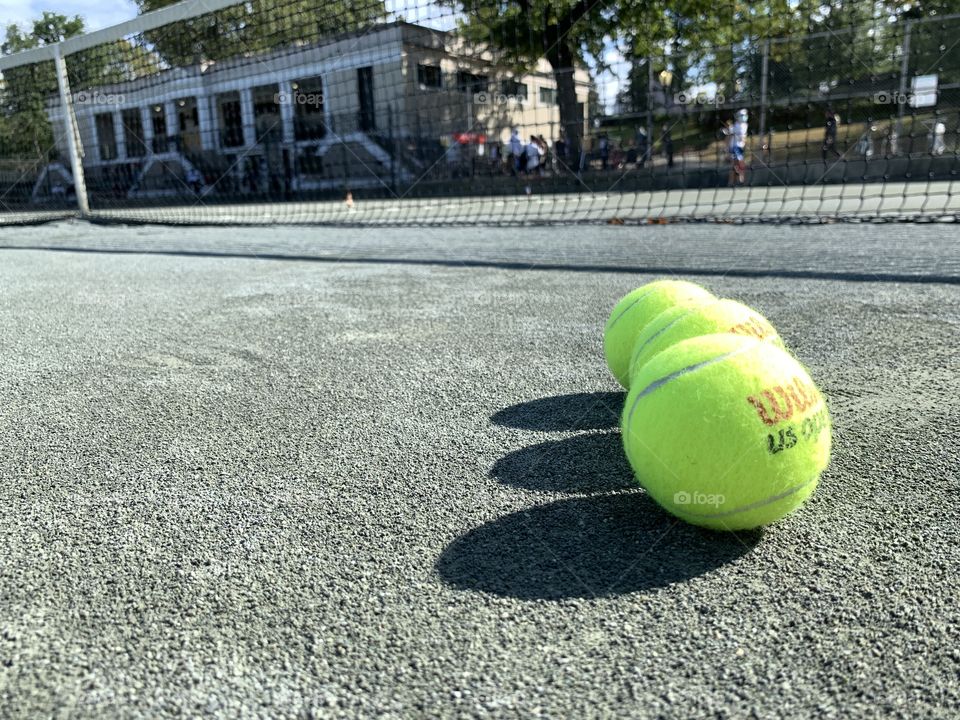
639	348
613	321
751	506
681	447
660	382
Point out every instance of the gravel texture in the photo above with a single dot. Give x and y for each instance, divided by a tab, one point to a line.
310	473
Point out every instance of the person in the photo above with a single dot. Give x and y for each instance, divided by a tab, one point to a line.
641	147
666	141
865	145
454	158
604	147
252	174
194	180
533	156
893	141
542	147
830	135
939	138
494	155
516	152
737	131
560	148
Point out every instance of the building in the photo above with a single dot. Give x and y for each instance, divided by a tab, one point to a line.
395	103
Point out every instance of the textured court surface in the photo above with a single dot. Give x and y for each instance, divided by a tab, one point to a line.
340	473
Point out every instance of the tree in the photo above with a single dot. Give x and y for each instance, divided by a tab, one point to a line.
25	128
679	38
561	31
28	88
257	26
933	34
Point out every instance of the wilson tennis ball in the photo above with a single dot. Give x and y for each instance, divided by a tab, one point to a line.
726	431
634	311
683	322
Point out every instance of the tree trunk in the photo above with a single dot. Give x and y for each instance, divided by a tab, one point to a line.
571	114
561	59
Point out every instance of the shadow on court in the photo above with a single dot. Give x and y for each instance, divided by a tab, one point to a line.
588	463
562	413
524	265
598	546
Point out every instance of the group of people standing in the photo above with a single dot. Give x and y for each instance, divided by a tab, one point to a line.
535	156
530	158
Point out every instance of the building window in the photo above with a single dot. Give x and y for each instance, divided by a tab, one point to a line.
468	82
133	132
266	113
188	120
548	96
158	119
429	76
514	89
230	119
307	98
106	136
367	118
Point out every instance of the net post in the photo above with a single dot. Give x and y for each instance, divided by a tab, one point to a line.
764	73
73	136
904	68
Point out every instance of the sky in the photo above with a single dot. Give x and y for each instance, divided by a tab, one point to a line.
95	13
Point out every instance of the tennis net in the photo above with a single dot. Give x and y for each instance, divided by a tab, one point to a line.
415	112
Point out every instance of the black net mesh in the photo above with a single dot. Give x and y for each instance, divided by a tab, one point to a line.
360	111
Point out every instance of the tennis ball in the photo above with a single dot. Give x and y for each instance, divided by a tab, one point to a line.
635	310
726	431
682	322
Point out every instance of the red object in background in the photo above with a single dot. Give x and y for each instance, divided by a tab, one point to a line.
469	138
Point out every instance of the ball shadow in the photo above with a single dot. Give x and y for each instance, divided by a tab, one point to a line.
589	463
579	411
599	546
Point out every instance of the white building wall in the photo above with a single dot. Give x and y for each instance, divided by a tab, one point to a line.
396	91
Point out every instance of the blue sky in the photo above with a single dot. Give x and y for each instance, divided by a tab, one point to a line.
96	13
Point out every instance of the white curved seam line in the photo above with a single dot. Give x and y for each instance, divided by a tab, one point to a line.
673	376
639	348
627	309
752	506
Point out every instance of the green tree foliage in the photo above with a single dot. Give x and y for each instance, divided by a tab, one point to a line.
816	47
27	89
257	26
565	32
933	46
24	128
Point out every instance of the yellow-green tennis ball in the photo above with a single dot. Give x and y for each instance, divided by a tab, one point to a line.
726	431
683	322
634	311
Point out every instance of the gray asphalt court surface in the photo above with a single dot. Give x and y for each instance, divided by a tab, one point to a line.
319	472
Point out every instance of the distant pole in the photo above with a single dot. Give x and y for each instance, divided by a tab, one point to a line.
649	108
343	155
904	69
393	148
764	73
72	132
